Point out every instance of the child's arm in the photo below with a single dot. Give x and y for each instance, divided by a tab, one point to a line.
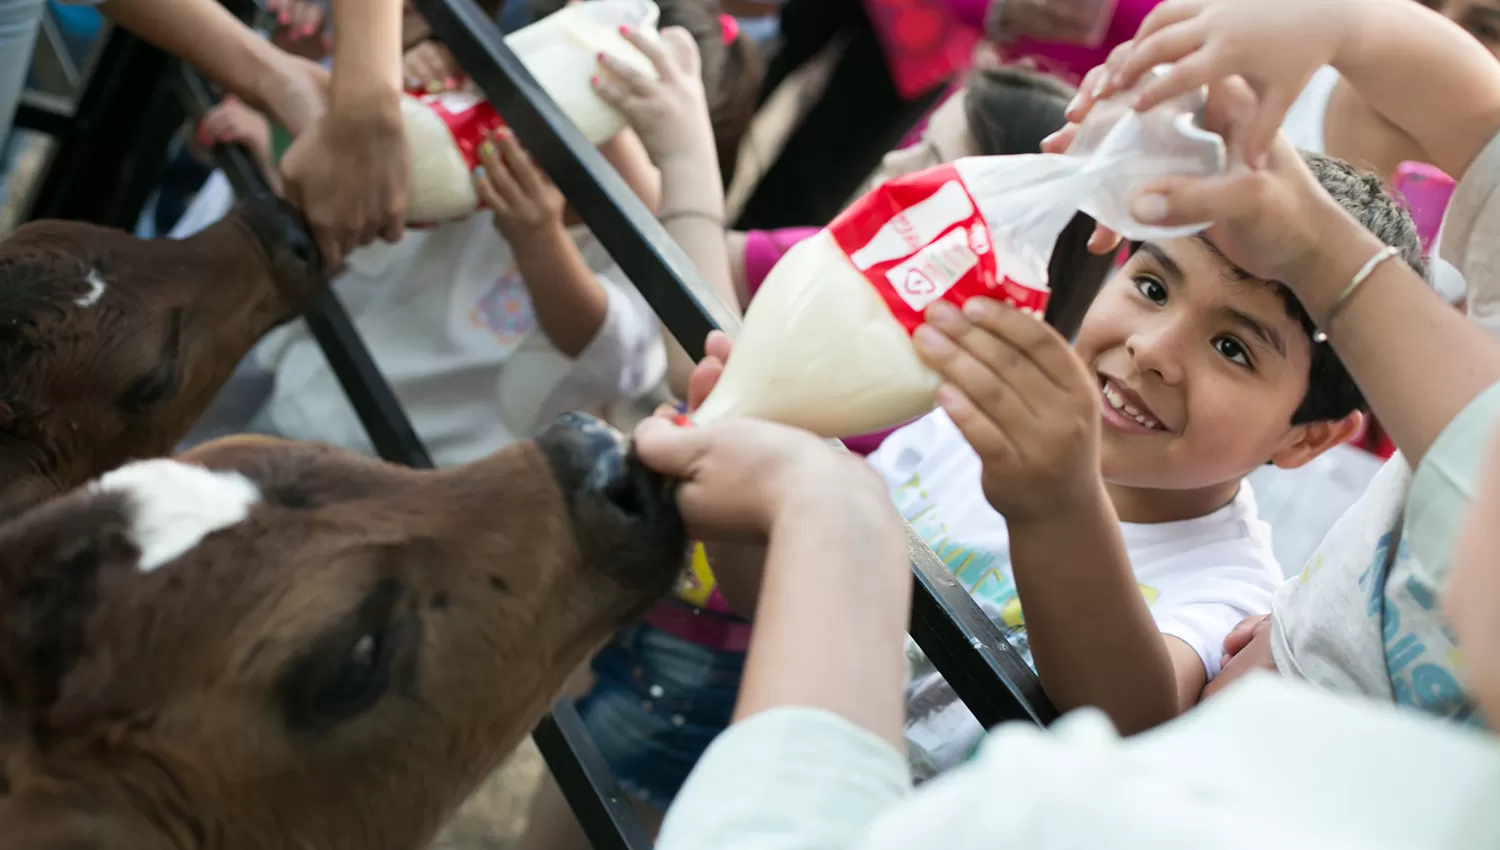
833	606
569	302
1418	70
1472	598
1031	411
670	114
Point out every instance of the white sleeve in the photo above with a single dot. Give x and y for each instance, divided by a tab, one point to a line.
790	778
1228	584
1464	240
802	779
625	359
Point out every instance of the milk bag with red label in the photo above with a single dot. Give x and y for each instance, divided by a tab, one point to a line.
444	131
826	343
443	134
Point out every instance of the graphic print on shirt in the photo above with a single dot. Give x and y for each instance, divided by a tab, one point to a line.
1421	653
986	575
505	310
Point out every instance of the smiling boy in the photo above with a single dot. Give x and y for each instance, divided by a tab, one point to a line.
1128	535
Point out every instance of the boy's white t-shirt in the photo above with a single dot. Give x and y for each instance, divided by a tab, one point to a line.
1200	577
449	321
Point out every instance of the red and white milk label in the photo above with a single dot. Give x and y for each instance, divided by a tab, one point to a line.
920	238
467	116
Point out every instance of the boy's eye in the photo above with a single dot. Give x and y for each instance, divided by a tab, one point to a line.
1232	350
1151	288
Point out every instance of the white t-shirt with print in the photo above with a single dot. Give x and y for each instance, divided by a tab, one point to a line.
449	322
1200	576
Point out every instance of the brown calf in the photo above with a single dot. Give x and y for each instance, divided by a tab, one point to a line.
268	644
111	346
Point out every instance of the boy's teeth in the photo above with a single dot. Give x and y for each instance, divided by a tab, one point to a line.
1117	401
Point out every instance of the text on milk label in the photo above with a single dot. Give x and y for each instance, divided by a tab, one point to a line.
921	238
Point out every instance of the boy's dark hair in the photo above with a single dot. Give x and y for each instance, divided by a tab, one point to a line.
731	72
1331	392
1009	111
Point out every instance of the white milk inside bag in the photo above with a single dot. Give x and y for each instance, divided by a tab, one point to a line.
826	342
561	51
443	131
441	186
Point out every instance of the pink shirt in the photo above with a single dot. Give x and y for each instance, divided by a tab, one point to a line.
1071	61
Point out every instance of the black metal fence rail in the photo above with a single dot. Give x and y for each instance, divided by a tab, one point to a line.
109	154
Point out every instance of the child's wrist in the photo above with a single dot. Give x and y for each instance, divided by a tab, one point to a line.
1344	246
691	161
547	238
1065	511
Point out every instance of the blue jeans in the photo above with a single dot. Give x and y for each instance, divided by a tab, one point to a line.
656	704
18	26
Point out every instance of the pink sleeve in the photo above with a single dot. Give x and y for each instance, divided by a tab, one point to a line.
970	13
764	247
1072	61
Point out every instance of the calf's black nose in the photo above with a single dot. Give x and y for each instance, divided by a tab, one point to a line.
592	461
284	232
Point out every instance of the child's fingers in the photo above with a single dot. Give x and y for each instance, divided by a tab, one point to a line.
1180	201
1103	240
1083	101
704	377
988	373
1015	336
669	449
1059	141
718	344
498	188
608	87
528	178
1260	130
684	51
1191	72
1173	46
627	79
1240	636
1163	16
652	49
986	438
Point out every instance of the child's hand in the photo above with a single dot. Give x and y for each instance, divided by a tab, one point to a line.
431	68
738	478
1247	648
523	199
232	122
1275	45
1024	402
670	114
299	29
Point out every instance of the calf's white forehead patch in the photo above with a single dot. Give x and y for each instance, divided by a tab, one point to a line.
174	505
96	289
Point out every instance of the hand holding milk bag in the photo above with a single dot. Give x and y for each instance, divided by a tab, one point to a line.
826	342
444	130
